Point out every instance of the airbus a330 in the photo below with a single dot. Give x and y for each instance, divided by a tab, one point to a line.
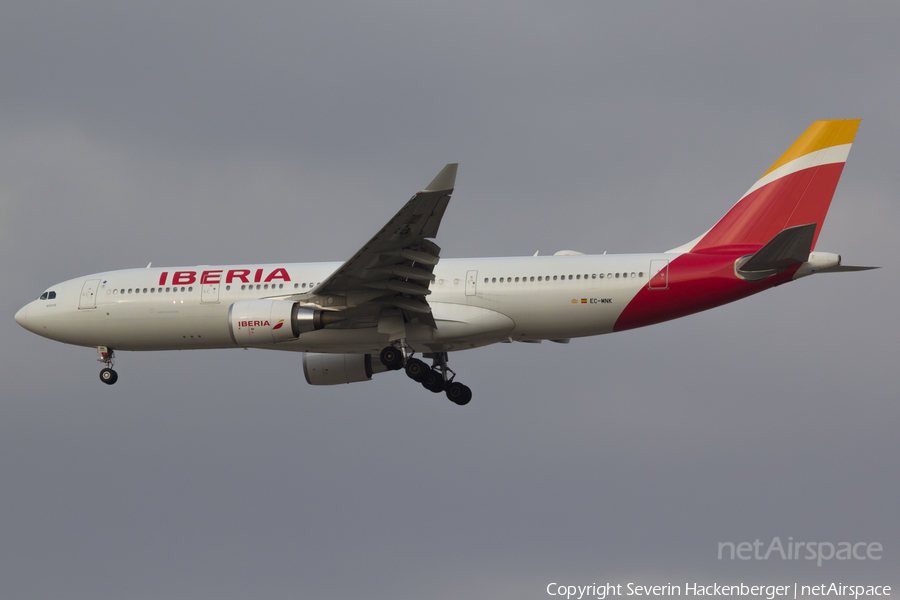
396	299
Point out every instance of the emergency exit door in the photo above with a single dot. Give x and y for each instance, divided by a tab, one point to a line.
471	282
659	274
89	294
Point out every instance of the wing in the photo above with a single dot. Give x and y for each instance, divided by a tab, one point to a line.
394	268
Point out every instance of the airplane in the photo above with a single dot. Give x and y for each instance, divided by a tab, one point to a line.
396	297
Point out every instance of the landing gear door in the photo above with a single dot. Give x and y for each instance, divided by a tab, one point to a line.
471	281
89	294
659	274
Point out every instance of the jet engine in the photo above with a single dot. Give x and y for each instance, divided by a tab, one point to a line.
331	369
262	322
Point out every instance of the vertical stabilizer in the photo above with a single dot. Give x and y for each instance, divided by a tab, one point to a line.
796	190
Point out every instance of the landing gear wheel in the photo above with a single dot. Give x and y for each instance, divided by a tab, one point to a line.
416	369
459	393
108	376
392	358
433	381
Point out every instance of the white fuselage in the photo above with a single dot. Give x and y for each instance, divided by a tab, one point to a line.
475	302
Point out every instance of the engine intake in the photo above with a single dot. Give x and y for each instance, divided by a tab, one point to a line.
261	322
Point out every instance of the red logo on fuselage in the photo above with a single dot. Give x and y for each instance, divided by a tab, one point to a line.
253	324
232	275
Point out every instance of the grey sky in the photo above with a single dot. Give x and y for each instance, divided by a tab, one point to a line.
213	133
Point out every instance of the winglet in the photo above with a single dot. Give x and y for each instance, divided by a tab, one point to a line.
445	180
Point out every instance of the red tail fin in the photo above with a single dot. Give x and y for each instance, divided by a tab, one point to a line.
797	190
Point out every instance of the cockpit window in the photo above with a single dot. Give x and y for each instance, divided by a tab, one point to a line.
48	296
44	296
52	296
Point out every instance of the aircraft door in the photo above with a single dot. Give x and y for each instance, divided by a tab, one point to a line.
209	293
659	274
89	294
471	282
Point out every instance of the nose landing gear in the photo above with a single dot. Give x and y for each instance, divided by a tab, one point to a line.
107	357
438	378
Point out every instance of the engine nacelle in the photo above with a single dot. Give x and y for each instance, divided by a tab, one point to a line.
262	322
332	369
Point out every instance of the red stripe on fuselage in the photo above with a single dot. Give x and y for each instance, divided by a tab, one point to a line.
796	199
697	282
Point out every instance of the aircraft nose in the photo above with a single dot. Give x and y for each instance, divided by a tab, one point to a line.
22	317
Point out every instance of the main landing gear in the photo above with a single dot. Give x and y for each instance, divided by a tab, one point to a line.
107	357
437	378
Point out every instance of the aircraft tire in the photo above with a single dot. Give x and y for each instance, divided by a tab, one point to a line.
433	381
108	376
392	358
416	369
459	393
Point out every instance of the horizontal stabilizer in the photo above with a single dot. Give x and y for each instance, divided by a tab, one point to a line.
790	247
846	268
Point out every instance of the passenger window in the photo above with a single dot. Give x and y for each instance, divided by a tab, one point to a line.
532	278
554	278
191	288
577	276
